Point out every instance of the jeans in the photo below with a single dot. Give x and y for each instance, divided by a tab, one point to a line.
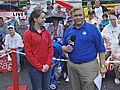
18	57
39	79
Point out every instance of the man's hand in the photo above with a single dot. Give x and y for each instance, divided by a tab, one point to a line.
67	48
103	70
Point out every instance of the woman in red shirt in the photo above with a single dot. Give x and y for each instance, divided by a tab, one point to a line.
39	51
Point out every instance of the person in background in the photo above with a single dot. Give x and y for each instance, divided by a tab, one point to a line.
56	29
117	11
22	27
59	11
82	41
115	51
3	32
3	27
104	22
93	19
38	6
28	5
14	40
87	9
110	33
99	9
49	7
39	51
13	22
21	30
68	22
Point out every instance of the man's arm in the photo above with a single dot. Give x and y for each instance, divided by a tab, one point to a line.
103	69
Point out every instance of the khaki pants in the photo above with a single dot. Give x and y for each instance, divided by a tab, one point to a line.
82	75
117	70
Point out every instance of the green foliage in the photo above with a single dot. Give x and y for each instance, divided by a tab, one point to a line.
22	3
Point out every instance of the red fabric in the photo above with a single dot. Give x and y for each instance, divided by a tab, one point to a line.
55	32
38	48
64	4
5	65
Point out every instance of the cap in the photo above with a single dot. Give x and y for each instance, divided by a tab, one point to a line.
10	27
48	2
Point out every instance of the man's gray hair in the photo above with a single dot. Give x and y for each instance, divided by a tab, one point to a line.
75	9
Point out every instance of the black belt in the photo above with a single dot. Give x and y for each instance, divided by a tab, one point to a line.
81	62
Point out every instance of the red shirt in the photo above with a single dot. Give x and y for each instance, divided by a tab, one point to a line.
38	48
55	32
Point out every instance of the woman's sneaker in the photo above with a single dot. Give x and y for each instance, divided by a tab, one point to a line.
117	81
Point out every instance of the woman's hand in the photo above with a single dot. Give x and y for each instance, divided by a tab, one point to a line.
45	68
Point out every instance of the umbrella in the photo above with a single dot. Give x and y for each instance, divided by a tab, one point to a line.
8	7
50	18
64	4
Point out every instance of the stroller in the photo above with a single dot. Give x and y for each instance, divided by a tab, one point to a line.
58	64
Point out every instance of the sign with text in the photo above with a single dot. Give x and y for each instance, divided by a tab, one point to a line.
9	14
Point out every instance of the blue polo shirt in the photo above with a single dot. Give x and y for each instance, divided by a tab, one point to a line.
88	42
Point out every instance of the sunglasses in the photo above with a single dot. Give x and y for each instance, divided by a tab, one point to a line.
112	19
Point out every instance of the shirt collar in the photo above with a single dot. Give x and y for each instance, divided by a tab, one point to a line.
81	27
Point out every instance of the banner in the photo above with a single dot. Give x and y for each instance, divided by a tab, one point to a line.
5	65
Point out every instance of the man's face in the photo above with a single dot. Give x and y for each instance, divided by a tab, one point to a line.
78	17
22	22
97	2
112	19
11	32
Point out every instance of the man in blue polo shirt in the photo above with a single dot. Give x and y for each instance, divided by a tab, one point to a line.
82	41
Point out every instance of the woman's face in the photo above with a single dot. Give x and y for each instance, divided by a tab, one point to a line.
41	19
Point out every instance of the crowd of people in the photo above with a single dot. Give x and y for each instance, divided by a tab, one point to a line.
85	33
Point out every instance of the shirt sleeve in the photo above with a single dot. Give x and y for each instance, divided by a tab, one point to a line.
99	43
6	41
19	42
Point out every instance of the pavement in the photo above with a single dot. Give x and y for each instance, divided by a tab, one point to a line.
6	81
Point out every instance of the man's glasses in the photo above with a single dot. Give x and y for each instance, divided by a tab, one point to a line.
112	19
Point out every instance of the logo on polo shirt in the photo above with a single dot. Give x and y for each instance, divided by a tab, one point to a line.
84	33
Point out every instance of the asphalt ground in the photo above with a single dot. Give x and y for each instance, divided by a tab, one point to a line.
6	81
